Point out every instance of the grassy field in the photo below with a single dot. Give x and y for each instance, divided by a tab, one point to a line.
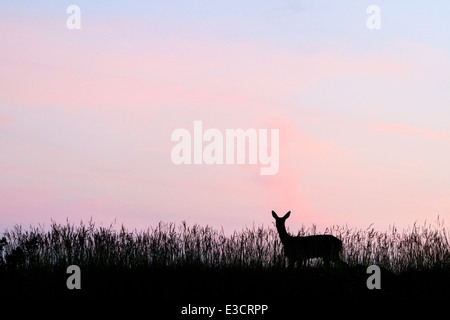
183	264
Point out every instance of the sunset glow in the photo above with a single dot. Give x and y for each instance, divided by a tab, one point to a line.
86	115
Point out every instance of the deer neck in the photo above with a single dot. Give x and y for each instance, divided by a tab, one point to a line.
283	233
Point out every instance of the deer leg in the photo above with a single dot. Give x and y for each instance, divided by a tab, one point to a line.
291	262
303	263
341	263
326	262
338	261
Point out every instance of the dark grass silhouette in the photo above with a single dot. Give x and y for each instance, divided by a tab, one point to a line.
182	264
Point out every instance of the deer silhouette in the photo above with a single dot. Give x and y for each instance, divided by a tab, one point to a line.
299	249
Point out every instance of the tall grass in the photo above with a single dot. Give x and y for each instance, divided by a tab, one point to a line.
181	246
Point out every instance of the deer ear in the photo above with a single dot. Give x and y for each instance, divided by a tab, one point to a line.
287	215
274	215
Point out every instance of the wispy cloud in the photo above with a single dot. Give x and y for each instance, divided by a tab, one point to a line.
86	116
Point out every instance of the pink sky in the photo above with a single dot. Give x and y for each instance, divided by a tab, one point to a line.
86	118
